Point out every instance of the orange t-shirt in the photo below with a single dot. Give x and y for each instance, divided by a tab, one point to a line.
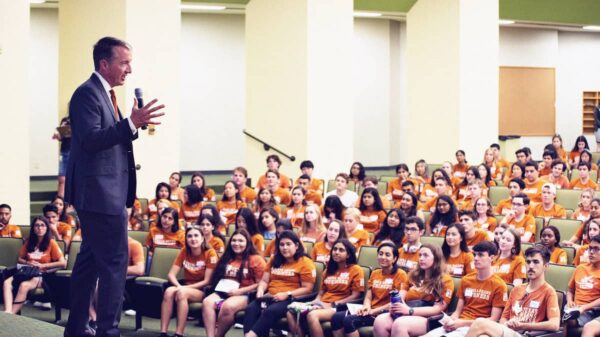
414	292
372	220
527	224
545	171
460	265
359	238
560	183
11	231
65	230
582	256
576	184
429	205
282	196
217	244
585	284
503	207
489	224
510	269
381	284
136	252
313	198
342	283
534	190
408	257
270	250
558	256
460	170
579	234
259	242
537	306
194	267
480	235
51	254
191	212
296	216
284	181
251	274
557	211
480	296
290	276
580	214
152	210
157	238
428	192
574	155
247	194
229	209
320	252
395	189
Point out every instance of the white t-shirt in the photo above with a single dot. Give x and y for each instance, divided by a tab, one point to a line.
348	199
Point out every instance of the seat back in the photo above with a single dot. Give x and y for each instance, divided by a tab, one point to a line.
434	240
367	274
73	251
454	300
139	236
568	198
593	174
25	230
570	254
62	246
426	216
566	227
320	266
497	193
230	229
9	251
539	224
558	276
162	260
308	246
367	256
143	205
387	179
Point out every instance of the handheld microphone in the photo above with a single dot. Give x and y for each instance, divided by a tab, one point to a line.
140	102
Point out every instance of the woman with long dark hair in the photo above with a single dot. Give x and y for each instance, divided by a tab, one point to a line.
244	219
429	292
39	252
333	209
242	264
459	258
231	202
392	228
289	274
445	214
371	210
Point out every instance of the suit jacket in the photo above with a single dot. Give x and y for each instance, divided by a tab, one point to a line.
101	174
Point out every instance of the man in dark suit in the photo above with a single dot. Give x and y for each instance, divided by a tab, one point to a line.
100	183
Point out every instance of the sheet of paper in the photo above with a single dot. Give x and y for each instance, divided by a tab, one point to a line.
353	308
225	285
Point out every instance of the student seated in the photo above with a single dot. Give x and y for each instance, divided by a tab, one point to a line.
473	235
230	203
314	185
312	196
583	207
408	205
484	215
519	220
265	200
332	209
288	275
517	170
583	293
321	251
210	234
192	205
392	228
240	263
280	194
312	229
583	253
481	294
177	192
347	197
39	253
58	230
531	307
6	229
459	259
274	163
198	261
584	180
509	263
556	176
208	194
295	211
358	236
426	293
371	209
343	281
240	177
394	188
533	184
578	237
377	299
409	252
266	223
357	174
550	238
445	214
244	219
166	233
548	209
281	226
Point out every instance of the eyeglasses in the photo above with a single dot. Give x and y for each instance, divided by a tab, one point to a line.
594	249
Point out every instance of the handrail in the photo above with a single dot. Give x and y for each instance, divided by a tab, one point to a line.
268	147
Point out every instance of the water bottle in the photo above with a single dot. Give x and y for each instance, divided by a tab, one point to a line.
395	298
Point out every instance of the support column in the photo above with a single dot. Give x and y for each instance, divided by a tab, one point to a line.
15	89
152	27
452	52
299	83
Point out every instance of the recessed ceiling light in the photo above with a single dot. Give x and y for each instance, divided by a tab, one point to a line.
506	22
594	28
202	7
366	14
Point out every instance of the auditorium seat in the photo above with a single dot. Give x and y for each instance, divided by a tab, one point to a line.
139	236
60	284
434	240
566	227
497	193
367	256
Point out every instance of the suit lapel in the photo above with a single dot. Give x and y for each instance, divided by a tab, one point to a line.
107	103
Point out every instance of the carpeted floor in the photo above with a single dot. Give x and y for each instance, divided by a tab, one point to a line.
43	325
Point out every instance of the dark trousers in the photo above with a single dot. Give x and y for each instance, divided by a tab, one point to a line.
261	322
103	257
350	323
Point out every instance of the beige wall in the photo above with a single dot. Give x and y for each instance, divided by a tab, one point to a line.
16	93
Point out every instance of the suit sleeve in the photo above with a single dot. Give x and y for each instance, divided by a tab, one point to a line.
86	115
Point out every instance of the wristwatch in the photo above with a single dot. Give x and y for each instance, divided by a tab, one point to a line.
411	311
289	293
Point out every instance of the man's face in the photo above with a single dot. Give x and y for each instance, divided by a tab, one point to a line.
474	191
547	161
118	67
514	189
238	178
547	196
467	223
557	170
340	183
482	260
531	174
584	173
5	215
303	183
272	179
594	252
52	217
518	206
441	187
408	188
272	164
522	157
370	184
535	266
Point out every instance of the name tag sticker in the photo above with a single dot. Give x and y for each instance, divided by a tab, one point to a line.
534	304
